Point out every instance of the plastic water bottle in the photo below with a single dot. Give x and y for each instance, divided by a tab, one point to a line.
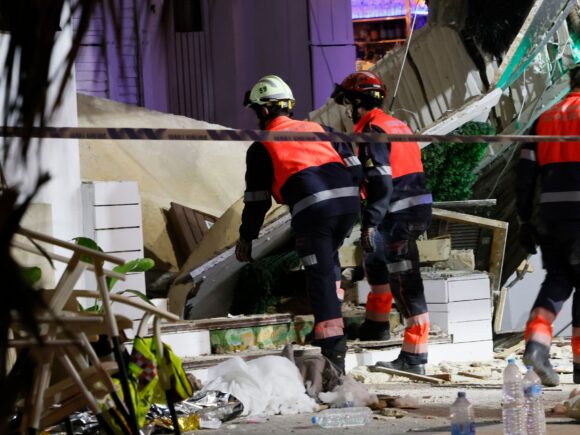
343	417
536	416
462	417
513	400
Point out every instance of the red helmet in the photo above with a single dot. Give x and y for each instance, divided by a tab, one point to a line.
362	82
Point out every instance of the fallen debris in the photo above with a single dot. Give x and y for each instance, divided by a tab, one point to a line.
393	412
412	376
266	386
349	393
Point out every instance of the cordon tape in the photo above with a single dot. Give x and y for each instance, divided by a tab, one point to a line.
259	135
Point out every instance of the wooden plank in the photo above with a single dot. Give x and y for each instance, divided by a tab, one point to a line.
472	375
463	218
496	257
499	310
511	350
412	376
499	237
193	224
180	231
383	344
228	323
200	219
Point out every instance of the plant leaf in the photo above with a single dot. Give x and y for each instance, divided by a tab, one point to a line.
138	294
31	275
87	243
137	265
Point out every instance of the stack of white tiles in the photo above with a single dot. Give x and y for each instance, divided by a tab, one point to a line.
460	304
112	218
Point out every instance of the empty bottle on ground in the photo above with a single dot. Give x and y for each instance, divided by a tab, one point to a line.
343	417
462	416
513	408
535	414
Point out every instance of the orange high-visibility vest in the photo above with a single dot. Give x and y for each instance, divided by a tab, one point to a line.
562	119
289	158
405	157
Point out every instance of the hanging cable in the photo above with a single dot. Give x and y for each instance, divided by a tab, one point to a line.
404	58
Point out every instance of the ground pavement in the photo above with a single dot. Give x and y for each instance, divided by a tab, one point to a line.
430	417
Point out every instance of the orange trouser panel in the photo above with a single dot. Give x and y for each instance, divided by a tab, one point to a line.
329	328
539	329
380	303
416	334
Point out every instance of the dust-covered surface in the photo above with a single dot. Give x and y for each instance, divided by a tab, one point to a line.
430	417
203	175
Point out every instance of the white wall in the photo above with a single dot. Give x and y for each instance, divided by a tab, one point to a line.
60	158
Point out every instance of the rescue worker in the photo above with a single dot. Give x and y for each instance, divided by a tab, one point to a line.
397	212
322	191
557	165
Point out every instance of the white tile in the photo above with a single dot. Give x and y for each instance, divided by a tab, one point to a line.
125	239
469	289
457	288
115	192
117	216
188	344
463	311
435	290
478	330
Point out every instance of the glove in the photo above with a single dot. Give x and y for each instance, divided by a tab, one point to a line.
244	250
528	237
367	239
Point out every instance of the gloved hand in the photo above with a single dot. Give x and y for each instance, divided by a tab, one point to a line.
367	239
528	237
244	250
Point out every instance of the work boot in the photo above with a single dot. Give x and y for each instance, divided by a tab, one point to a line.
336	354
576	373
537	355
401	364
371	330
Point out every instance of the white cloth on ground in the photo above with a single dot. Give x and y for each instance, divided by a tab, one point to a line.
266	386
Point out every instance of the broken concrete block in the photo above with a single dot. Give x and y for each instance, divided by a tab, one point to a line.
405	402
393	412
434	250
459	259
350	256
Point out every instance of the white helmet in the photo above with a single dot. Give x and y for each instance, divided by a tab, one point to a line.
270	89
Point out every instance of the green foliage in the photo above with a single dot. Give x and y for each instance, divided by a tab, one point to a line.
87	243
31	275
138	294
449	166
136	265
254	292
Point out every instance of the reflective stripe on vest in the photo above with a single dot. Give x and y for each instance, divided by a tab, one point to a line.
562	119
412	201
289	158
352	161
572	196
324	195
528	155
405	157
256	195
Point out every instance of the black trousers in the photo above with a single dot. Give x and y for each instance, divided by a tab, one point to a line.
317	245
396	262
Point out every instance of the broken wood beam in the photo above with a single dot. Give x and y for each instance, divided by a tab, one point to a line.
412	376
